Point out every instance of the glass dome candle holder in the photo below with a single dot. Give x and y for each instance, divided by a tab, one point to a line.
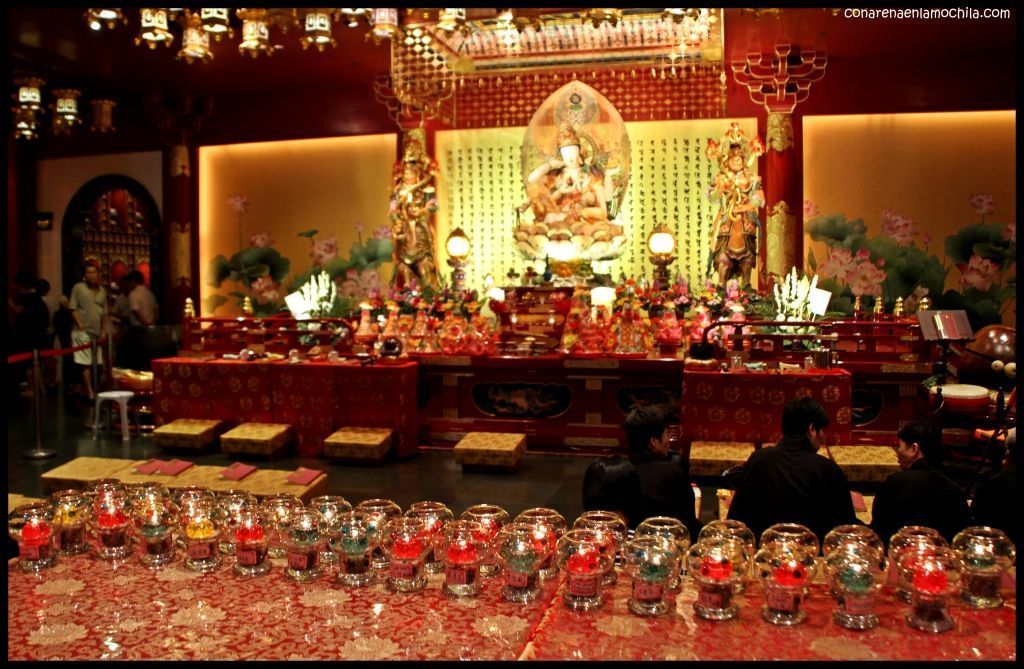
521	554
330	509
909	539
672	529
855	578
200	523
70	518
111	521
407	543
652	561
612	529
716	563
462	547
985	554
303	544
154	519
184	498
491	519
549	526
354	547
847	541
784	569
435	515
935	576
140	492
379	513
276	511
739	531
250	538
583	558
31	525
230	503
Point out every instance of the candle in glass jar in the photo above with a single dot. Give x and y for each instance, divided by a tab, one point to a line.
111	519
36	533
584	561
462	553
930	579
408	548
855	579
200	529
790	573
716	568
247	534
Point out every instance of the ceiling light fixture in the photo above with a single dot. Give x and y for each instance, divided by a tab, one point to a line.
385	24
216	22
102	115
195	41
65	110
318	31
154	28
104	18
255	33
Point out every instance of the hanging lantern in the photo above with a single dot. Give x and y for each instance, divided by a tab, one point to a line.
65	110
104	18
26	124
353	14
154	28
195	42
255	34
102	115
29	94
385	24
215	22
318	31
599	16
450	20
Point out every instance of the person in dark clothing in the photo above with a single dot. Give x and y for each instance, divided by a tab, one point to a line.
664	477
31	316
613	484
995	503
63	323
790	482
920	494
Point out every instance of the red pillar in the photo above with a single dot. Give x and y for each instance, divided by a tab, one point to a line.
180	235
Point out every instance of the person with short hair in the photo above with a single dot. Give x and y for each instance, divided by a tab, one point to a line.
664	476
791	482
88	302
613	484
995	503
919	494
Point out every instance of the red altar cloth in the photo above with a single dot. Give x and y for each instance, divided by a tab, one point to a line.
88	609
612	633
316	398
747	406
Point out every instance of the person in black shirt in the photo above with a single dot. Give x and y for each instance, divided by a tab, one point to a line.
995	503
612	484
790	482
664	477
920	494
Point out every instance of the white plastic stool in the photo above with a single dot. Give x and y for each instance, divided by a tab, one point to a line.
122	397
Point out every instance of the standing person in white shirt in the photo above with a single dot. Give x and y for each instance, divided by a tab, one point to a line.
89	310
142	313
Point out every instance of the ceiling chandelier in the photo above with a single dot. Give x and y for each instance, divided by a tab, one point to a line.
105	18
195	42
255	33
154	28
30	103
215	22
318	31
65	110
29	108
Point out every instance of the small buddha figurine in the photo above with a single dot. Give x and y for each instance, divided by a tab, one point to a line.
365	330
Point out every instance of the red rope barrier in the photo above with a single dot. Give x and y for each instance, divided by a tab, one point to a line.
52	353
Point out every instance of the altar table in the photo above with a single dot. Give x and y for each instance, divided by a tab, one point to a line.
746	406
613	633
315	398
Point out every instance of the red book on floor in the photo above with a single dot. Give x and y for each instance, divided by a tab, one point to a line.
303	476
237	471
151	467
858	502
175	467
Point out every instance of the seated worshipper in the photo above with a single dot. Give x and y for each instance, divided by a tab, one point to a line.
920	494
790	482
664	477
995	503
612	484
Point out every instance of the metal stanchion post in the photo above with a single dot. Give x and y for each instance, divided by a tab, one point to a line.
38	452
95	347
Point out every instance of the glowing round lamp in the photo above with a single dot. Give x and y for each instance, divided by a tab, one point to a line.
457	244
662	245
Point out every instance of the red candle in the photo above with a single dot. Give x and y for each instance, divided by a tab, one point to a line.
487	533
249	534
462	553
583	561
35	534
716	568
791	573
408	548
930	579
111	519
543	540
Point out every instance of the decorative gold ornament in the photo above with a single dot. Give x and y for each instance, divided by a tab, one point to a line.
858	304
216	22
879	308
598	16
190	309
247	306
105	18
154	28
65	110
780	254
780	131
897	309
924	304
102	115
318	31
195	41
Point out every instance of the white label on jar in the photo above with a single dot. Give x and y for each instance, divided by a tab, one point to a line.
246	558
780	600
710	600
403	570
583	586
859	605
199	551
646	592
456	576
298	561
517	579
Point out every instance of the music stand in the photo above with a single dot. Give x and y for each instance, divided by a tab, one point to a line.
944	328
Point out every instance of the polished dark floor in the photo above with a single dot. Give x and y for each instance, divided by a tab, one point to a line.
543	480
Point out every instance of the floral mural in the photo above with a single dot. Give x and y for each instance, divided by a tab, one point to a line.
260	272
902	261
